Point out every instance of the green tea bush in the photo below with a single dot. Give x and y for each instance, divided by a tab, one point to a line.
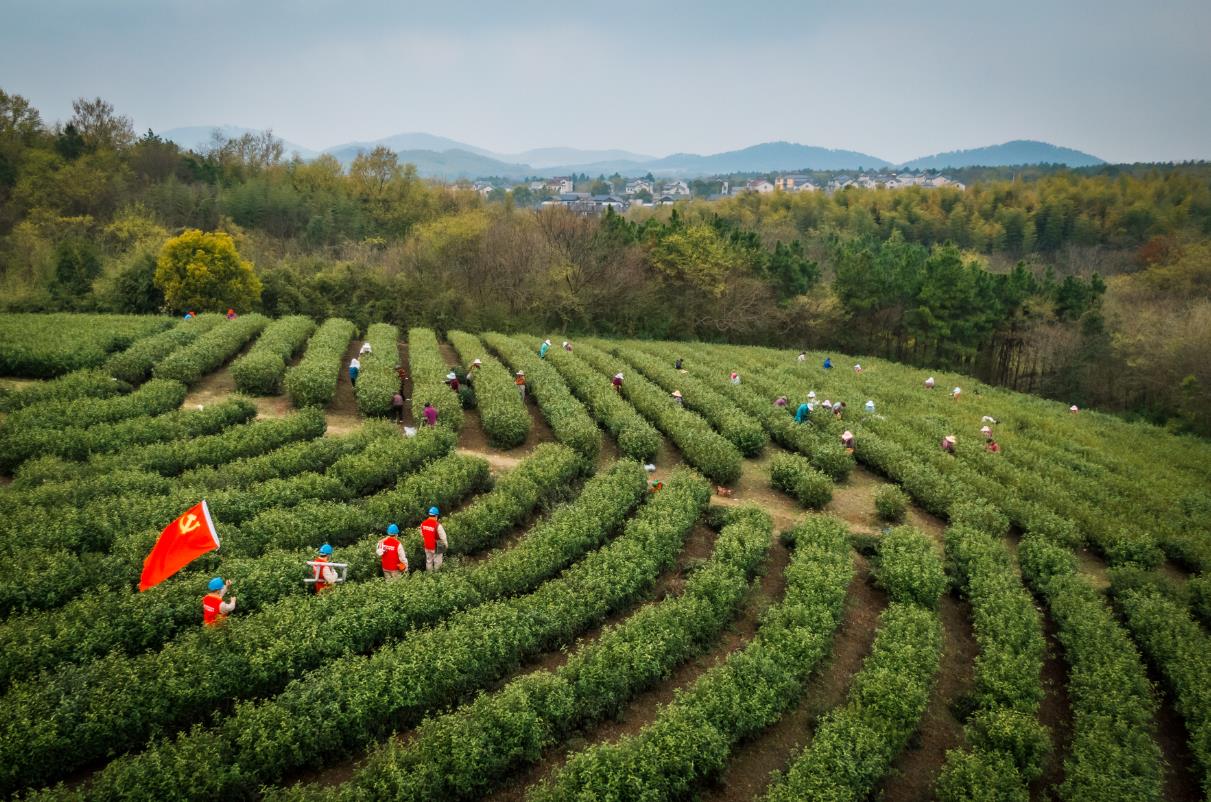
504	417
636	437
567	417
259	372
438	664
891	503
41	346
795	476
1111	756
208	352
312	382
692	736
908	567
854	745
702	447
429	371
153	398
134	364
377	382
89	383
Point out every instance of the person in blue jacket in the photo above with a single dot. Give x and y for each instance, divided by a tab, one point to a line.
802	412
542	349
828	363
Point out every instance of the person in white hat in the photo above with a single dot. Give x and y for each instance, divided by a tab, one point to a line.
677	399
847	440
857	368
929	383
366	348
811	395
520	382
986	431
567	346
1074	409
452	380
955	393
869	406
948	444
617	382
542	349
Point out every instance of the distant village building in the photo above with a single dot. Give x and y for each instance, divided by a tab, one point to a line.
794	183
676	188
638	185
584	203
559	186
759	185
483	188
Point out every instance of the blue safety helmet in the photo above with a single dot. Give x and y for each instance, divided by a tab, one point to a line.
325	549
434	511
393	529
216	583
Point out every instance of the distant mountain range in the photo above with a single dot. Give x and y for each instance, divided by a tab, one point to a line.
440	157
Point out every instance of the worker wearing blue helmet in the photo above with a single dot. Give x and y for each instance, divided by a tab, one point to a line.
391	553
434	540
214	608
325	577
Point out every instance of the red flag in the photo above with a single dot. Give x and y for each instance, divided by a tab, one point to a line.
181	542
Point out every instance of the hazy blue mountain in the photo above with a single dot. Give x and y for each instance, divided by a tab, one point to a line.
554	157
450	164
198	137
417	140
765	157
1019	151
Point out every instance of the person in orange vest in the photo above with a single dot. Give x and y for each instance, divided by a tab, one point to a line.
214	609
325	577
391	552
230	313
433	536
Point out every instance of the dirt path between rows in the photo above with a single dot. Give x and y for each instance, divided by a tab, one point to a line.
342	414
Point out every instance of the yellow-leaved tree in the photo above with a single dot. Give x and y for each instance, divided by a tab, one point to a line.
204	272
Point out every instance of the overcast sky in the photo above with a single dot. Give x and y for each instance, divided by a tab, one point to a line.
1122	79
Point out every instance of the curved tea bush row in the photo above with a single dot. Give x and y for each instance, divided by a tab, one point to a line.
40	346
636	437
543	476
152	398
263	741
823	452
135	363
78	492
854	745
175	686
312	382
702	446
259	372
243	440
1180	648
569	420
509	728
501	411
99	622
113	442
795	476
733	423
908	568
429	370
377	382
78	384
692	736
1009	745
209	351
1113	754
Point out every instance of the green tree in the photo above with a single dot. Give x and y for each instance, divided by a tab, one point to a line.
204	271
76	266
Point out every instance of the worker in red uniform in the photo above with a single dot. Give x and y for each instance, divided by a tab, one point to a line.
433	536
214	609
391	552
324	576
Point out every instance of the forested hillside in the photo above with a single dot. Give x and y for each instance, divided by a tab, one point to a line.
1091	286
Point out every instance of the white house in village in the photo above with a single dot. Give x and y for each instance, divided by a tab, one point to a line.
759	185
638	185
676	188
561	185
483	188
